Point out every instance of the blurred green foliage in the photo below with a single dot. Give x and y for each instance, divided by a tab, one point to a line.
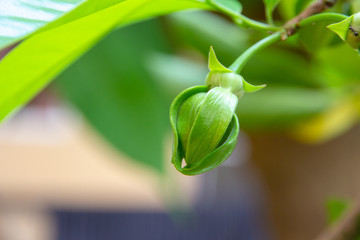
47	53
124	85
112	88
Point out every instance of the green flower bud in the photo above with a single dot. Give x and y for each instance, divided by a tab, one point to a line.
204	121
348	30
205	128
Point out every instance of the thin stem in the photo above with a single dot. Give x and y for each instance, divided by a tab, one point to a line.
322	17
308	16
314	8
243	20
263	43
269	17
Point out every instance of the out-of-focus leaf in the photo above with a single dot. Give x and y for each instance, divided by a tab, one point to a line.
341	72
279	66
277	107
174	74
301	5
355	5
232	7
316	36
197	30
335	209
46	54
328	124
111	87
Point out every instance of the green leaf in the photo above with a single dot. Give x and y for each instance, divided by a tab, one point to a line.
112	89
214	64
337	73
231	7
19	18
341	28
84	9
252	88
315	36
46	54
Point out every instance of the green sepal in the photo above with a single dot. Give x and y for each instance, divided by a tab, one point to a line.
215	158
231	7
341	28
174	110
249	88
220	76
211	123
214	63
186	117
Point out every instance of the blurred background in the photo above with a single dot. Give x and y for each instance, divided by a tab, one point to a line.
89	157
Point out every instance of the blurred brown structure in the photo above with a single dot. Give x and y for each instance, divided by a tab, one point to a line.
50	157
300	179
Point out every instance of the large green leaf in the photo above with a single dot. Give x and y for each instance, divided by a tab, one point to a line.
19	18
31	65
111	87
231	7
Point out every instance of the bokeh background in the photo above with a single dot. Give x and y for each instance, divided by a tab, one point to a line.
89	157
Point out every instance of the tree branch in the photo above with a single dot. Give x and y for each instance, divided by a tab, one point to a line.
316	7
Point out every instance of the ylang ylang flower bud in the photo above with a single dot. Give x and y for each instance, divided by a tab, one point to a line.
348	30
204	121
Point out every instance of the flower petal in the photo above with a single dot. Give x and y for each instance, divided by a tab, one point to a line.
216	157
178	154
211	123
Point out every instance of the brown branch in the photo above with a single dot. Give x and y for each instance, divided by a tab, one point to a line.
314	8
346	228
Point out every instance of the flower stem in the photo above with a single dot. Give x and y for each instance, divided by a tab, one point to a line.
248	22
239	63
